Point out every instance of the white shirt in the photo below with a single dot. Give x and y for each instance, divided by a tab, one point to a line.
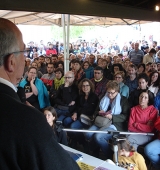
6	82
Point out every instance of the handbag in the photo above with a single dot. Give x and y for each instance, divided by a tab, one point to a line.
101	121
86	120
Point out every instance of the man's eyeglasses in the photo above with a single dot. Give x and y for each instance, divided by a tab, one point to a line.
25	52
67	77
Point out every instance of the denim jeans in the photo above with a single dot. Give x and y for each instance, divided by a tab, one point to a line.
61	112
67	121
101	139
152	151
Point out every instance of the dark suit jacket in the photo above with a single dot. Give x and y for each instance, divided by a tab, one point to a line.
27	142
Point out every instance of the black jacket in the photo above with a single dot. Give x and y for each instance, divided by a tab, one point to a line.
65	95
88	106
26	140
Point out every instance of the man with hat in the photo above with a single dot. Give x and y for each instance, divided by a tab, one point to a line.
149	57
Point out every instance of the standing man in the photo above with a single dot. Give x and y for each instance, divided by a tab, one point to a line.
27	140
136	55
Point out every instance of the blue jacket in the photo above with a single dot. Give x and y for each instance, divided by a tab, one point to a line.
124	90
89	72
157	101
43	96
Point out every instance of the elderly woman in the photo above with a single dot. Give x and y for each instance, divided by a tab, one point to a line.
119	76
142	119
114	107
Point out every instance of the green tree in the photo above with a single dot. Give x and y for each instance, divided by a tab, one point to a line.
75	31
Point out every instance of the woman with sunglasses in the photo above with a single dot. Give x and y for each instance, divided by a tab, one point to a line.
114	107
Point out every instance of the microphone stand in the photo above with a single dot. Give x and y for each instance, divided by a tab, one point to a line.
115	137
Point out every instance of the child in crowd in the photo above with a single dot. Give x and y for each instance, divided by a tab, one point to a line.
51	117
128	158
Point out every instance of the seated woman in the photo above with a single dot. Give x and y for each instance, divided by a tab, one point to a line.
114	107
142	119
152	150
142	86
154	82
119	76
89	71
117	67
59	80
78	72
84	113
51	117
128	158
35	90
141	68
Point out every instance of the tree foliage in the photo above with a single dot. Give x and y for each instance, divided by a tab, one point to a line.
75	31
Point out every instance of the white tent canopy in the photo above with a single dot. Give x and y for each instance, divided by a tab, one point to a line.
41	18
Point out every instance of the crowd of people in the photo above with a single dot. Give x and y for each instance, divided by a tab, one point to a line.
109	91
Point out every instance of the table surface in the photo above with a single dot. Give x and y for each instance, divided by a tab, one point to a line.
92	161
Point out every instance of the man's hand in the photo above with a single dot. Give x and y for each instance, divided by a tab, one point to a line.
66	84
74	117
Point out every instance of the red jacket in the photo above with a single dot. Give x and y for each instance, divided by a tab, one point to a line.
51	51
157	126
139	118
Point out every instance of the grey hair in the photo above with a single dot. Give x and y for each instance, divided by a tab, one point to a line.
8	42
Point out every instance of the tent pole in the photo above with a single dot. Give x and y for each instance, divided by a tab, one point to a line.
68	31
64	41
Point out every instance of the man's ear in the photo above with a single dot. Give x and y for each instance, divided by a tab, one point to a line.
9	62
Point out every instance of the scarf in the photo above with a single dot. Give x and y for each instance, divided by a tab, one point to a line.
57	82
115	106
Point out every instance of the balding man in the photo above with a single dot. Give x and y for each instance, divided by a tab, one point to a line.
26	139
136	55
65	101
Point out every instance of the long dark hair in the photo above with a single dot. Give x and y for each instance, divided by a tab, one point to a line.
157	82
